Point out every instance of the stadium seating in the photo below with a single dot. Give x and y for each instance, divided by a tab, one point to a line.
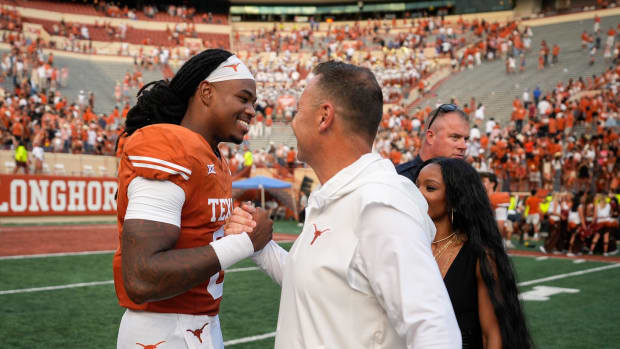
83	9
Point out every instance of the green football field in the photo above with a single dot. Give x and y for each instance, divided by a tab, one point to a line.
69	302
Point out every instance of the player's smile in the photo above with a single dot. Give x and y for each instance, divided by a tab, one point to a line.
244	124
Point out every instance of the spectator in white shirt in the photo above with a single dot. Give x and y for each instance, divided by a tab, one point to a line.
38	154
474	132
490	125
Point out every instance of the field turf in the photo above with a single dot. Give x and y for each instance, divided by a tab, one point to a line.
88	316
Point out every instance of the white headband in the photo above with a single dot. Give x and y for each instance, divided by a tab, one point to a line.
231	69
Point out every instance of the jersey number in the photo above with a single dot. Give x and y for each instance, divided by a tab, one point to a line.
215	288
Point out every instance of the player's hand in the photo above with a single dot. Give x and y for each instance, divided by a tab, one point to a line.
240	221
262	233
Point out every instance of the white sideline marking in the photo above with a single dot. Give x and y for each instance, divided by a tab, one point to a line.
250	339
64	254
543	293
72	227
236	270
83	253
94	283
51	288
542	258
566	275
579	261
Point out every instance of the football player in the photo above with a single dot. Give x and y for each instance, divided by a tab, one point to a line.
174	199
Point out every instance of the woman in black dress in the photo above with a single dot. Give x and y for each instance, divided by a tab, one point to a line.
471	258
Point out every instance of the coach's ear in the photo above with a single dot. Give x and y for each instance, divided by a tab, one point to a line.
326	116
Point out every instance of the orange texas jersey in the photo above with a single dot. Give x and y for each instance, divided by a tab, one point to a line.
177	154
499	199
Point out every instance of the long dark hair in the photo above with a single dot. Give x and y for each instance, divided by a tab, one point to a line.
166	102
474	217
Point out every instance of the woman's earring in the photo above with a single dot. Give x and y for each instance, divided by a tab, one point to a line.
452	216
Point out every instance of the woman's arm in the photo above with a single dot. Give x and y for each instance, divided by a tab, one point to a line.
595	213
491	335
582	216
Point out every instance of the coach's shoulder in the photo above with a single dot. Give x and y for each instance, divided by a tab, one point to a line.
395	191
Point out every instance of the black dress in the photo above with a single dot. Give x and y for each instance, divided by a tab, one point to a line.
462	287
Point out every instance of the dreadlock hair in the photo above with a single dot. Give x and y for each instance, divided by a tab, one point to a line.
473	216
166	102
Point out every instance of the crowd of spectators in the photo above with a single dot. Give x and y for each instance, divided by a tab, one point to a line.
10	20
538	148
79	37
182	12
563	139
397	52
35	112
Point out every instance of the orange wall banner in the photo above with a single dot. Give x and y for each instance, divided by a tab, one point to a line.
30	195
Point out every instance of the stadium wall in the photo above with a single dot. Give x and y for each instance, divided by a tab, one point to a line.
39	195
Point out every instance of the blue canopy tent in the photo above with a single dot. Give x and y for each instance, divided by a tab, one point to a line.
274	186
258	181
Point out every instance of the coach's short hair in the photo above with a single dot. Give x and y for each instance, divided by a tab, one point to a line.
356	91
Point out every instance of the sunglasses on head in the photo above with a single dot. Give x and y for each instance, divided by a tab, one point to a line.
444	108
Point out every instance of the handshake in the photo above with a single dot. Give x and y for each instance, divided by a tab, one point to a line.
253	221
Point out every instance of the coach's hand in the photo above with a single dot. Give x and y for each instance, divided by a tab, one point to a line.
240	221
262	233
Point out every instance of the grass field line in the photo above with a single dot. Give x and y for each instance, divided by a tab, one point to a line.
235	270
86	253
82	253
59	287
64	254
36	228
566	275
250	339
94	283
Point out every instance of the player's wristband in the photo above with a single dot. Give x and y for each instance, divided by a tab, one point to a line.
233	248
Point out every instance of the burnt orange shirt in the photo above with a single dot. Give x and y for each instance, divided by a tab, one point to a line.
395	156
18	129
290	156
534	203
499	199
181	156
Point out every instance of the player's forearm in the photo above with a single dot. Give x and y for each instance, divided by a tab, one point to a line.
153	270
170	273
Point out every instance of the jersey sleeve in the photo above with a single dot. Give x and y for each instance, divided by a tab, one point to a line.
161	153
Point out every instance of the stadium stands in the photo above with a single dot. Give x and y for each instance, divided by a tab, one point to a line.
419	64
110	10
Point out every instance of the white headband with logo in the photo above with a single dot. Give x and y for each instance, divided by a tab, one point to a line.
231	69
